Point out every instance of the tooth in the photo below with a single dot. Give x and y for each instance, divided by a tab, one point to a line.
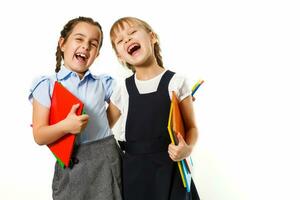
82	55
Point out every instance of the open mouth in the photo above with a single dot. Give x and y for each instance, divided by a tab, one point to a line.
133	48
81	57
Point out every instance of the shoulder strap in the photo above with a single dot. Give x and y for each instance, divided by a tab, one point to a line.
165	80
130	85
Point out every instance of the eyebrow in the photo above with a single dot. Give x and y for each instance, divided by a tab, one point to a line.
80	34
117	38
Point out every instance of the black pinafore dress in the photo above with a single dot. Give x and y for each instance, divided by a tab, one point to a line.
148	171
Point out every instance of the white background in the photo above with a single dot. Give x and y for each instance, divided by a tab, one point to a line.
247	110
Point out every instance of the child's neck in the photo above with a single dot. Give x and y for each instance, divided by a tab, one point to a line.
80	74
148	72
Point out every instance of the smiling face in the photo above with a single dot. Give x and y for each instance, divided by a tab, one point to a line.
81	47
134	44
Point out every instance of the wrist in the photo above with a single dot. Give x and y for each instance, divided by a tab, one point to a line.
63	126
190	149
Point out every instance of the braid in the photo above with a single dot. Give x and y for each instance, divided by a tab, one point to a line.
59	56
67	30
157	55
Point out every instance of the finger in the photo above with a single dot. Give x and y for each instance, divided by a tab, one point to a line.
172	147
175	152
84	126
180	139
84	123
172	158
74	108
171	155
83	117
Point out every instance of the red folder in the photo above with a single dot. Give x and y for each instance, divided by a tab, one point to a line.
61	103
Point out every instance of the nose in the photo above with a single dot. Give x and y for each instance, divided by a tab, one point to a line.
127	39
85	46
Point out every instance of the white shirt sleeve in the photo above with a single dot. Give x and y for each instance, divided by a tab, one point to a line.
119	98
179	85
116	96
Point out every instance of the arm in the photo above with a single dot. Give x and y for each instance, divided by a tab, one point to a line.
113	114
44	133
185	147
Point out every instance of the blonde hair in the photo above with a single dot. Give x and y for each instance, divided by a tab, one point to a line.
119	24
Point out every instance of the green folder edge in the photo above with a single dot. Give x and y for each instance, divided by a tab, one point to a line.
61	164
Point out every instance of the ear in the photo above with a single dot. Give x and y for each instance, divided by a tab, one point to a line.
154	38
61	43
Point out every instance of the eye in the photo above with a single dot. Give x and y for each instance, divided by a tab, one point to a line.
119	41
78	39
94	44
132	32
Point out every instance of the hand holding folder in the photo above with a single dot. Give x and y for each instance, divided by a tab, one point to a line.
61	103
176	126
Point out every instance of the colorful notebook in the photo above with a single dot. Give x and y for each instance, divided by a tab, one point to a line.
61	103
177	127
196	86
172	137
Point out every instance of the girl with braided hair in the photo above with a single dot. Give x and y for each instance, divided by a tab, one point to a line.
95	173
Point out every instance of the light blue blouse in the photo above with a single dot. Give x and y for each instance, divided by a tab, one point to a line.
92	90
